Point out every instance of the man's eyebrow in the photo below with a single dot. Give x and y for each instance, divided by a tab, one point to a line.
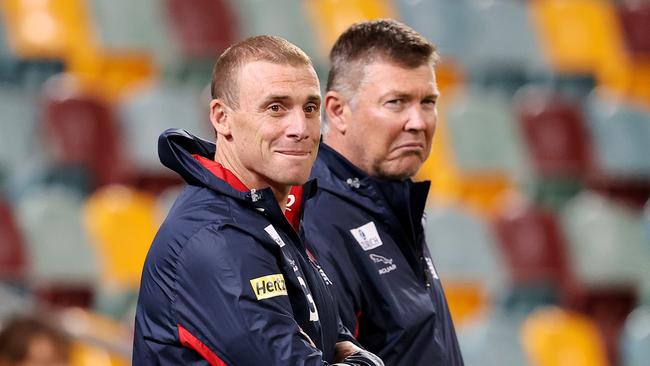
276	97
402	95
315	98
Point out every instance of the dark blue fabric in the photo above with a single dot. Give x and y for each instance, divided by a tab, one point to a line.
390	285
199	269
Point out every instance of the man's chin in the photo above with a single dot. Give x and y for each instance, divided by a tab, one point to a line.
294	179
400	171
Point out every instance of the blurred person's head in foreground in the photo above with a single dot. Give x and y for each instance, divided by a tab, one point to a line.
33	341
381	98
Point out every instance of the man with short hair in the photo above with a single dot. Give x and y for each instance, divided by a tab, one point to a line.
228	279
365	223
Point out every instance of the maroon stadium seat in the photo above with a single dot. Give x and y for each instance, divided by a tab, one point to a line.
203	28
535	249
635	21
12	248
554	130
80	130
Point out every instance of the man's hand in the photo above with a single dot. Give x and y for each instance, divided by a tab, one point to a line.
345	349
347	353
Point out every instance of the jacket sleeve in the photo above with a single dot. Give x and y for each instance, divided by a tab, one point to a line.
221	316
330	245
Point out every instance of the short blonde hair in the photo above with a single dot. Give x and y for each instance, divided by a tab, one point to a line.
259	48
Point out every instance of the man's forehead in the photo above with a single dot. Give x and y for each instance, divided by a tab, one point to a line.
278	72
265	77
386	76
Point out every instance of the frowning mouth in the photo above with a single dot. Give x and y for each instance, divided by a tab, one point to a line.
410	147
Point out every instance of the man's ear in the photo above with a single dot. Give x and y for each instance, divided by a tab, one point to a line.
220	117
337	110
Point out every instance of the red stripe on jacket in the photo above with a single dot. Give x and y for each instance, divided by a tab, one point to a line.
190	341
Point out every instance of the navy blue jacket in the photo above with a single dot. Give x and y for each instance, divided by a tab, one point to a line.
368	236
227	279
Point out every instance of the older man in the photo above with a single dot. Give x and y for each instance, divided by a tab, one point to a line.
228	280
365	221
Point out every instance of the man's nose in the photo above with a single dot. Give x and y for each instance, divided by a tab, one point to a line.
417	119
298	125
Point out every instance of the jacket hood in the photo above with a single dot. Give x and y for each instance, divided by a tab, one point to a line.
175	150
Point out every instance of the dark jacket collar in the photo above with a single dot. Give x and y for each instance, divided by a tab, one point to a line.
339	176
176	148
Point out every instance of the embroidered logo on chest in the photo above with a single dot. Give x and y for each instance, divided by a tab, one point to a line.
386	263
367	236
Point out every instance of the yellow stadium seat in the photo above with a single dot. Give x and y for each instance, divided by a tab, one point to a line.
48	28
122	223
113	74
586	36
555	337
467	300
578	35
63	30
332	17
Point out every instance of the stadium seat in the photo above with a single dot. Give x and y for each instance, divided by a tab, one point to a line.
579	35
609	307
465	253
18	143
332	17
140	26
556	337
556	139
554	130
535	251
150	111
121	223
48	29
620	133
605	242
262	17
482	192
586	36
501	36
114	74
63	267
483	134
13	253
23	73
202	28
634	18
635	338
445	23
80	131
497	330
